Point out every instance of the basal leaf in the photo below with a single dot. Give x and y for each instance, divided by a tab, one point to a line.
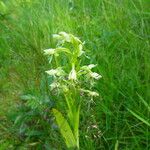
65	129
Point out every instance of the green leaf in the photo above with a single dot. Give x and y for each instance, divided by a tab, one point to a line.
65	129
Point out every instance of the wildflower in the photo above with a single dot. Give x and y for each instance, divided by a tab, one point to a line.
87	70
69	37
55	51
56	72
65	36
95	75
72	74
54	85
90	93
89	67
50	51
69	85
92	66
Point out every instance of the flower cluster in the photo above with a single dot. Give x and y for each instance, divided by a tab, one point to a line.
64	78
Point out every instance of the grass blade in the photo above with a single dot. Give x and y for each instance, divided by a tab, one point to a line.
144	102
139	117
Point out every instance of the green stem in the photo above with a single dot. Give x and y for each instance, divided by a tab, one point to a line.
73	116
56	61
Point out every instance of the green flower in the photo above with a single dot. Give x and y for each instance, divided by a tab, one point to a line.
56	51
90	93
54	85
49	51
87	70
95	75
56	72
88	67
66	37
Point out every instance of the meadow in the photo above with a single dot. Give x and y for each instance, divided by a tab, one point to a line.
116	36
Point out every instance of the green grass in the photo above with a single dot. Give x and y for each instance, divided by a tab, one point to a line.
116	35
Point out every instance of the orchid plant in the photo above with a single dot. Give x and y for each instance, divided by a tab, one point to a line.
70	80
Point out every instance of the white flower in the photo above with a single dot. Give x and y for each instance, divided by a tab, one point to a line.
54	85
65	36
90	93
50	51
87	70
55	72
92	66
51	72
89	67
55	51
72	74
59	86
95	75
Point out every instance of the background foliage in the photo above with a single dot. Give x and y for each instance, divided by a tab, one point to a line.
116	35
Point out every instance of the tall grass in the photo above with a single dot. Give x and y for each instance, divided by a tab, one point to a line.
116	35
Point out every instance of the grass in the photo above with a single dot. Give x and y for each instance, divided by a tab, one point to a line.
116	35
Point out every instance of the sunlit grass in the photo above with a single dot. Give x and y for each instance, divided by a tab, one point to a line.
116	35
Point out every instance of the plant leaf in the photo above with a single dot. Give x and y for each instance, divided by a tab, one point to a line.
65	129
